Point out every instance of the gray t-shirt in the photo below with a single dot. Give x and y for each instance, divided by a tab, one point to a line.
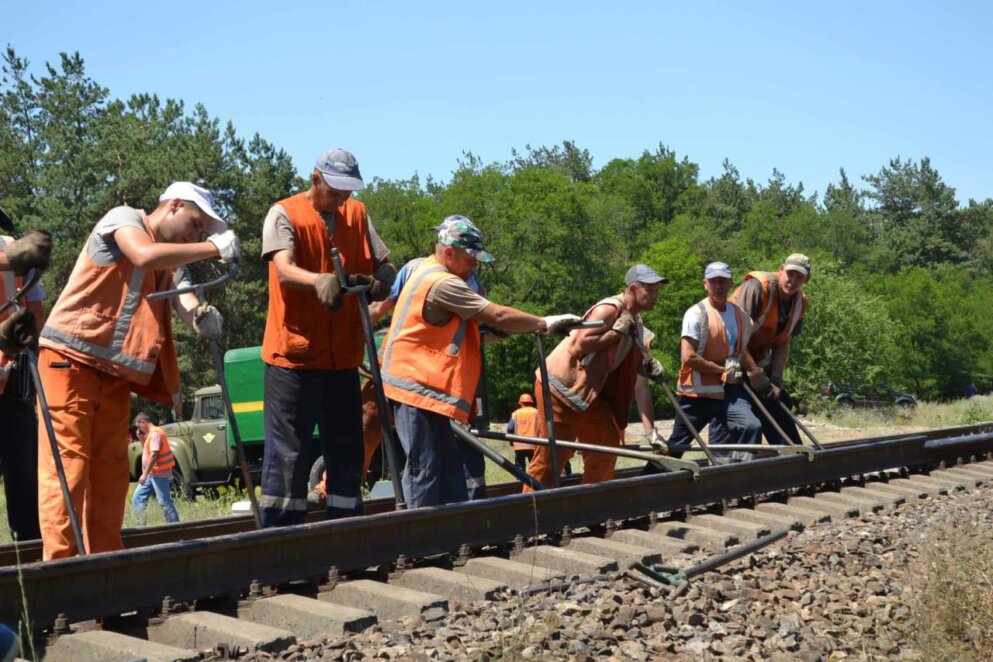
102	246
277	233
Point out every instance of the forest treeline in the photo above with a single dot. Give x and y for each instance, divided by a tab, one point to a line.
900	291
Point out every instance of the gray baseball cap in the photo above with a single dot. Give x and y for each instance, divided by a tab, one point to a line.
642	273
340	170
717	270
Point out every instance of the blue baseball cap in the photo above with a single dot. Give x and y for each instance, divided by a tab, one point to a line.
340	170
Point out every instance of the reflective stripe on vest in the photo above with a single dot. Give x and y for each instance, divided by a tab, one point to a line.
713	347
415	371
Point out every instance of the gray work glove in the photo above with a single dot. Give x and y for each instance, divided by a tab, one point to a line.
560	323
207	321
18	332
623	323
228	245
733	372
376	290
760	383
653	370
658	442
329	291
32	251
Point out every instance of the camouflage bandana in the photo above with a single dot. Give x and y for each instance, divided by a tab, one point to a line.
460	232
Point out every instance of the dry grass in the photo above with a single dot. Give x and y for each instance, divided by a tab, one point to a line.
953	598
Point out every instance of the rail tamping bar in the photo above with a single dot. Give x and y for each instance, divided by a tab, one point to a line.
467	437
670	463
757	401
675	403
215	354
799	424
676	577
377	376
546	394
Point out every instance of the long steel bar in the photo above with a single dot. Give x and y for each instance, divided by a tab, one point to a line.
389	442
765	412
468	438
119	582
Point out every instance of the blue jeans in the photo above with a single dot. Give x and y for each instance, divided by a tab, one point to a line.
474	471
295	402
434	473
733	412
719	433
161	488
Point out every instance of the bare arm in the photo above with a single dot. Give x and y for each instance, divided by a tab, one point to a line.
291	275
510	319
147	254
380	309
185	305
691	359
780	354
587	341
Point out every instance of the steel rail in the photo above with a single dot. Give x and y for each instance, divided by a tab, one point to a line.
30	551
104	584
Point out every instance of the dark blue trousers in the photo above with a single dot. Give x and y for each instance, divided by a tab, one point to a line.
295	402
434	473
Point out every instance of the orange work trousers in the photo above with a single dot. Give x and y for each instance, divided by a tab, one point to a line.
596	425
90	411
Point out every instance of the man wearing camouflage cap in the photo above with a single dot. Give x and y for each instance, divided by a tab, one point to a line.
776	303
314	342
431	359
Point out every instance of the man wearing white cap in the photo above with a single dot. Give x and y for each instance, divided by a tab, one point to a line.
314	342
592	378
104	339
776	303
714	355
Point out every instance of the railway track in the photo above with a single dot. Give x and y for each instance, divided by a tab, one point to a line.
238	569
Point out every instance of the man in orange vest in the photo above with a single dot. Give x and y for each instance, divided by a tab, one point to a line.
157	463
314	342
431	359
776	304
524	421
104	339
593	375
714	358
19	329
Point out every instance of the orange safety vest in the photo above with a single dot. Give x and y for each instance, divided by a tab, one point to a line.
578	380
9	283
431	367
764	336
300	332
525	424
165	460
104	320
713	347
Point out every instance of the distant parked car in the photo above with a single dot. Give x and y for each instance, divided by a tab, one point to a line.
848	396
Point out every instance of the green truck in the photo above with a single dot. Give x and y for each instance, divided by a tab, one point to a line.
205	454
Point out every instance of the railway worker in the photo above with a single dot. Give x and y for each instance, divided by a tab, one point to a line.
714	355
18	329
157	463
431	359
776	303
524	421
593	374
103	339
314	341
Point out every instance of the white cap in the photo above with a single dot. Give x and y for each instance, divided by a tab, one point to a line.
717	270
199	196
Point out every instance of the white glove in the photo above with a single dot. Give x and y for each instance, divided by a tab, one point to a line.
228	245
559	323
207	321
733	371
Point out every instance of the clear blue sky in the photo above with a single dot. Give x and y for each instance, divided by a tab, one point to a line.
807	88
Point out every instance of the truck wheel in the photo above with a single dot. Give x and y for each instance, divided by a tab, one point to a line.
180	486
316	473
